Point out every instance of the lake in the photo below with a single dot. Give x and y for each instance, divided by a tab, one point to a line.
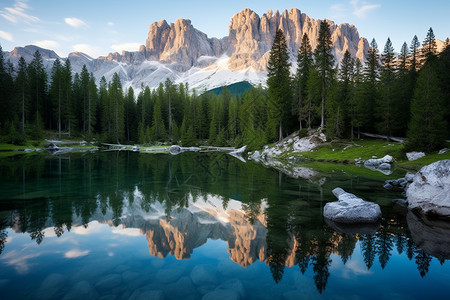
124	225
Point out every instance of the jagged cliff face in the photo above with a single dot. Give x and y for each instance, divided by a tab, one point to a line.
179	43
186	55
251	37
249	40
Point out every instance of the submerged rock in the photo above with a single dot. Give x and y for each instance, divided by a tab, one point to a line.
414	155
430	190
350	209
400	183
361	228
432	236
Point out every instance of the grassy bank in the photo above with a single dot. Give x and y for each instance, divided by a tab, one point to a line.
346	152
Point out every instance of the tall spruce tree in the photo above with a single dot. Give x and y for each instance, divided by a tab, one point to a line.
21	91
414	60
56	92
324	63
116	99
371	76
37	78
337	116
304	65
427	128
356	105
403	91
429	47
386	101
278	82
67	107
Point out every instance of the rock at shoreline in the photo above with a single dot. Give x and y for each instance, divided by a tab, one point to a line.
414	155
430	190
445	150
400	183
382	165
350	209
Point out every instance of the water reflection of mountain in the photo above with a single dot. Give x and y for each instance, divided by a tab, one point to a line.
178	204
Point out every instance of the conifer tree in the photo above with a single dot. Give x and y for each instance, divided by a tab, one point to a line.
324	62
92	105
158	129
338	105
414	61
278	82
386	101
426	130
304	65
403	91
21	87
429	48
356	105
371	75
37	78
233	118
67	107
116	99
56	91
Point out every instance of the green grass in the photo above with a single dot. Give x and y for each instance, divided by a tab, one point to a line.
426	160
347	151
352	169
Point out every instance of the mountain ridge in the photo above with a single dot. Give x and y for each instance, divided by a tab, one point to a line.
182	53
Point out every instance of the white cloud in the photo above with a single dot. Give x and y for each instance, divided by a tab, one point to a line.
127	231
357	268
337	7
19	261
18	13
75	22
90	50
361	9
75	253
47	44
110	24
126	47
6	36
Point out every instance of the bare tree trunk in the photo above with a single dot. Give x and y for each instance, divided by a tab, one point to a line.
280	133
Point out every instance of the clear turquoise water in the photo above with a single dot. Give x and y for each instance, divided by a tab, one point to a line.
202	226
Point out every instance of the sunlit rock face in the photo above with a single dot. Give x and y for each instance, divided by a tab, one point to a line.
250	37
179	42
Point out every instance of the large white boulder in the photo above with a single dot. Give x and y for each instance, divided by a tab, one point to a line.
350	209
414	155
430	190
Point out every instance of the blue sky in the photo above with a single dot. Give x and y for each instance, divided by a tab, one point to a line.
99	27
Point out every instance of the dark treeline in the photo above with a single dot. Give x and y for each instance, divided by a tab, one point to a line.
394	95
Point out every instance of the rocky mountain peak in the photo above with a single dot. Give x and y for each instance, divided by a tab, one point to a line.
179	43
28	51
